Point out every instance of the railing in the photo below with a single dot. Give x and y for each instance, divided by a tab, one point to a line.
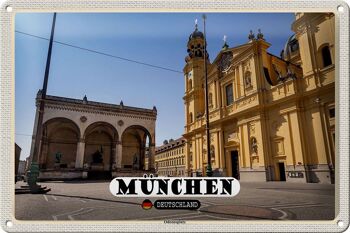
240	104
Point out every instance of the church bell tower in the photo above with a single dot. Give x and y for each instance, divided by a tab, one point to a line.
194	77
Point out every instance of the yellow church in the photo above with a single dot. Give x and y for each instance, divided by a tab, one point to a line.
271	118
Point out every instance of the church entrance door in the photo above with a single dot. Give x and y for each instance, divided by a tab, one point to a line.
282	171
235	164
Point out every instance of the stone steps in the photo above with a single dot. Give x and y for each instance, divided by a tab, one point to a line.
24	189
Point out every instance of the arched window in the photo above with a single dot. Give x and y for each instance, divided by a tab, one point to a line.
229	94
190	84
294	45
326	56
191	117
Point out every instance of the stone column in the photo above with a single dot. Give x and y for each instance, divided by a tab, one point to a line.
141	160
222	163
79	159
43	155
152	152
119	153
113	159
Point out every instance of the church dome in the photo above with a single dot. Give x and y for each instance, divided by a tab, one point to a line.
195	45
196	34
290	48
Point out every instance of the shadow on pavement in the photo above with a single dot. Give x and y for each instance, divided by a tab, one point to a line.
76	181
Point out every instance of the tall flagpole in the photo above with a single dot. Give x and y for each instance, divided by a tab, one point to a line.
34	170
48	61
209	171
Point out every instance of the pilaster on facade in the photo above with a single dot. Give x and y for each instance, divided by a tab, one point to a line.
84	137
271	122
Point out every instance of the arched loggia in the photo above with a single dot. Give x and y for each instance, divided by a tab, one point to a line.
100	141
137	148
59	144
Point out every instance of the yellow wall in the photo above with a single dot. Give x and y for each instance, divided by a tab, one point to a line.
172	161
289	119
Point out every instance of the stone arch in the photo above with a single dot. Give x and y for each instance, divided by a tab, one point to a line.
100	141
59	143
62	120
101	125
137	147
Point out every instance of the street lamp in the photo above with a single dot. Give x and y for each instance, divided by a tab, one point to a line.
209	170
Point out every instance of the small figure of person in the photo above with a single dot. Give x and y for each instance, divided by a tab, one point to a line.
134	163
58	157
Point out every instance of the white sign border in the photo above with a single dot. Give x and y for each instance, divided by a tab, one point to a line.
8	115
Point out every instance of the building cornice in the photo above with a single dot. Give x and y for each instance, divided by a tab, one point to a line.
68	104
171	145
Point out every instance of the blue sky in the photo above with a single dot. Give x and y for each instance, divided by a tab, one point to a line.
155	38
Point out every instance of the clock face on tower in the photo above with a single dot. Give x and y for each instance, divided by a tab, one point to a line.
225	62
